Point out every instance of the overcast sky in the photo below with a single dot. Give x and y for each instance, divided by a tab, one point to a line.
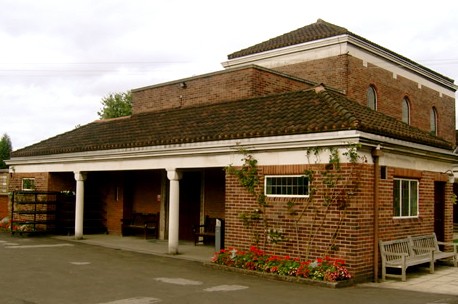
59	58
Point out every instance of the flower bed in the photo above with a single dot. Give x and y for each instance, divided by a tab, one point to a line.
325	270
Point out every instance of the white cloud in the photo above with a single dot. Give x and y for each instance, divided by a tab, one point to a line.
59	58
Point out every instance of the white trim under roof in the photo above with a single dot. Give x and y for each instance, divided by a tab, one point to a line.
278	150
343	44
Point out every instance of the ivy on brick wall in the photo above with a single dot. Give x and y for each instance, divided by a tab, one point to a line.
248	177
332	186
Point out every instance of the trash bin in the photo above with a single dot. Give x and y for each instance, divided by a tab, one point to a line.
219	234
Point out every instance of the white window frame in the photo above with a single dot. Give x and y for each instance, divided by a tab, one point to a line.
3	184
406	110
28	179
409	198
372	102
286	195
433	121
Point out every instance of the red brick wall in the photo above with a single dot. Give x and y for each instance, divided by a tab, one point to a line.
348	74
392	228
125	192
214	195
391	92
355	237
112	192
4	200
354	233
64	181
331	71
41	181
223	86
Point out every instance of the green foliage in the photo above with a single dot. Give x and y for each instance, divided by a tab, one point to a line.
5	150
248	174
336	189
116	105
249	179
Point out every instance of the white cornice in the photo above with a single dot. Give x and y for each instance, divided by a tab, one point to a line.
401	62
338	45
279	150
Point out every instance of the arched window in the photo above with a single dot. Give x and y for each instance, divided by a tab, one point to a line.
371	95
433	121
406	110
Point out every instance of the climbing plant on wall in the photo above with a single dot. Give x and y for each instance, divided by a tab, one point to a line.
332	186
248	177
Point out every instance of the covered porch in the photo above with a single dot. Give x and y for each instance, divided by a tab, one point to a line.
181	199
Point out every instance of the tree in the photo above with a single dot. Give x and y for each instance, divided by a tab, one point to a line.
5	150
116	105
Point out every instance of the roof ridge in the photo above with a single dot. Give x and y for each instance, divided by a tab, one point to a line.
334	103
319	30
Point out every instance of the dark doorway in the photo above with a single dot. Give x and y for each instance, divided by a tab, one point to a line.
439	210
190	198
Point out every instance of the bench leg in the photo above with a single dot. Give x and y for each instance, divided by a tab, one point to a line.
431	267
404	276
383	272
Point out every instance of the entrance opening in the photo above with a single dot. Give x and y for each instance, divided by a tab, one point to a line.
439	210
190	200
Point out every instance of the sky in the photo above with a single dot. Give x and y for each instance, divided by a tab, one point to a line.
59	58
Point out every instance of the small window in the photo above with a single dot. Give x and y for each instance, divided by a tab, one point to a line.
433	121
287	185
405	198
406	110
371	95
28	184
3	184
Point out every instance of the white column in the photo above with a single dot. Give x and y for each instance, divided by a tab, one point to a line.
174	209
79	207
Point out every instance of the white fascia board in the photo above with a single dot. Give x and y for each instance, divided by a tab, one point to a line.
192	155
322	48
388	61
278	150
345	44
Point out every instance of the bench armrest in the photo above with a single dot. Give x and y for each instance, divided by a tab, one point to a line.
455	245
197	228
447	243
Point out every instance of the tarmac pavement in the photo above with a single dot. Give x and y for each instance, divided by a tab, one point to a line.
49	270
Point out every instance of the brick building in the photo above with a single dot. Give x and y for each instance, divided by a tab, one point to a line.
293	102
4	177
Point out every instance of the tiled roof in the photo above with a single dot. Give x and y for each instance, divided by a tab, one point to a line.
300	112
319	30
315	31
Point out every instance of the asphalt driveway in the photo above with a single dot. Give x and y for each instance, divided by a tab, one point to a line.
47	270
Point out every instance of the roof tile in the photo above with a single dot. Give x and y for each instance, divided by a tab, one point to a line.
290	113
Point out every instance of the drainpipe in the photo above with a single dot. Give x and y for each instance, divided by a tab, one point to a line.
376	154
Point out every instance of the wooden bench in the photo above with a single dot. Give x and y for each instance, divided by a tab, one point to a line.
425	243
205	233
147	223
401	254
